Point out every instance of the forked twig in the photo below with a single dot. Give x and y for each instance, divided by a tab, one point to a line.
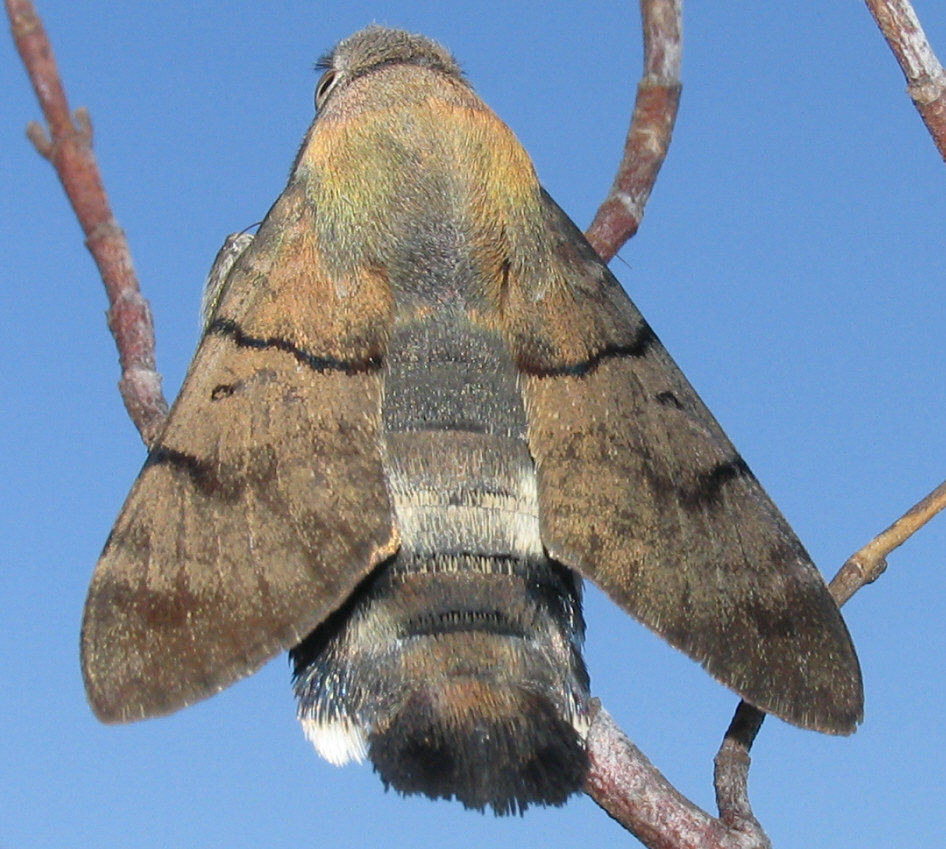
619	771
634	792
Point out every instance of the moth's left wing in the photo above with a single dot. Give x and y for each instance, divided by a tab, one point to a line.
641	492
263	503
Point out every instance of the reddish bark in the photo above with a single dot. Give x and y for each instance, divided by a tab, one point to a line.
68	147
926	79
655	111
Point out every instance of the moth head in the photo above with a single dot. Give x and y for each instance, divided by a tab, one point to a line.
377	47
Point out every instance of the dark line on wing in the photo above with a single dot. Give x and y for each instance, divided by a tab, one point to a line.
229	328
223	390
202	473
646	339
699	489
709	484
668	399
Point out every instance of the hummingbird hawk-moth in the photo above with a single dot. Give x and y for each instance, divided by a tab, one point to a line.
422	410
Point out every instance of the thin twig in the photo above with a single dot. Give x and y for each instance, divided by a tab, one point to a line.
68	147
655	111
868	564
731	767
926	79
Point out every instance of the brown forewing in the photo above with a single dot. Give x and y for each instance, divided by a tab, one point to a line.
263	503
641	492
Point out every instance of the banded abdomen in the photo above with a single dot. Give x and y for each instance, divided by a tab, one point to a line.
457	667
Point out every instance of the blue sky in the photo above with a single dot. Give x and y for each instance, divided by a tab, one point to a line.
791	259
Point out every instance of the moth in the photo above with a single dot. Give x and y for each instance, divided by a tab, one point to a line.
422	410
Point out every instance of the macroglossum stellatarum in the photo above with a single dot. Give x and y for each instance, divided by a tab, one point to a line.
421	408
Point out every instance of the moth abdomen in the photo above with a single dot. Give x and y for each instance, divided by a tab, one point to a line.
457	666
457	682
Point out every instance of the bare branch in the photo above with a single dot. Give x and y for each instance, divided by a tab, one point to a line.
926	79
68	147
868	564
628	786
655	111
731	767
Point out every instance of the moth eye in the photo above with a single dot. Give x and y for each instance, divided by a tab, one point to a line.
324	87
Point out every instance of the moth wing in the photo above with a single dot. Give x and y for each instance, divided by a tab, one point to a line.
642	493
263	503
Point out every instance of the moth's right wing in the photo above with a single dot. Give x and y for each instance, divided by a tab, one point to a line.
641	491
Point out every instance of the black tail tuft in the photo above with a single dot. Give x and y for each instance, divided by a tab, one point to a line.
485	748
